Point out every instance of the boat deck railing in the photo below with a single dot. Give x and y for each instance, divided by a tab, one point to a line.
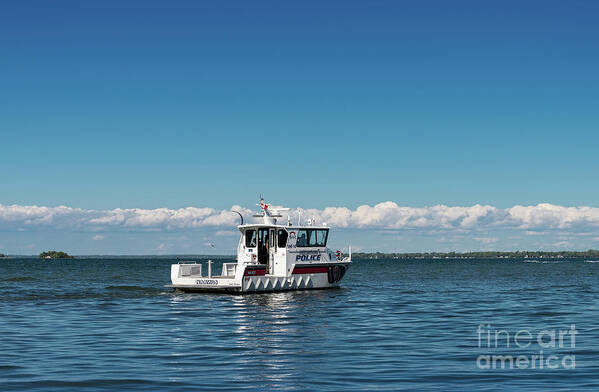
190	268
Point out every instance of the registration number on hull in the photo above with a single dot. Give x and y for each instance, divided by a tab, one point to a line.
208	282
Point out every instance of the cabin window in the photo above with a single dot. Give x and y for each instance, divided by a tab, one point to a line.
312	237
302	238
262	237
282	238
321	237
250	238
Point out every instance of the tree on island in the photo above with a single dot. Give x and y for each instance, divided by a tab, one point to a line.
52	254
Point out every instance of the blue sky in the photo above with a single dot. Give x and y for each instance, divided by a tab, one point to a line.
314	104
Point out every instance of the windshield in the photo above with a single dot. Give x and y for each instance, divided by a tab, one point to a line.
312	237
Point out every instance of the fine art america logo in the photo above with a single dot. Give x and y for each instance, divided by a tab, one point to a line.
526	349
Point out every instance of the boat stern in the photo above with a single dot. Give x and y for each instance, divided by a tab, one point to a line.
187	276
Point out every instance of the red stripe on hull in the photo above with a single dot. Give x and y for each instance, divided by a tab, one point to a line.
254	272
310	270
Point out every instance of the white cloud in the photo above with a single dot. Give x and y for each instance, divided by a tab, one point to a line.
487	240
552	216
562	244
386	215
22	217
532	232
226	233
392	216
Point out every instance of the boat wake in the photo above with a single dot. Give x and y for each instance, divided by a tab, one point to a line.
544	261
19	279
127	288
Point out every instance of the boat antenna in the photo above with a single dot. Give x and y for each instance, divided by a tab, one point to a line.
241	216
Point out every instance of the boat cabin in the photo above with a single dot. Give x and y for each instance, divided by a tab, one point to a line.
278	247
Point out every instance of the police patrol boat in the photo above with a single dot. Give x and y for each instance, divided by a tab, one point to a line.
270	257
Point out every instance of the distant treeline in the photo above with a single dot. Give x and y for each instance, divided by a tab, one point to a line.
480	255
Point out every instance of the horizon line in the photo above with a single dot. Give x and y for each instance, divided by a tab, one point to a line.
358	252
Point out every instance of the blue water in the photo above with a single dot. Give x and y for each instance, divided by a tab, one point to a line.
108	324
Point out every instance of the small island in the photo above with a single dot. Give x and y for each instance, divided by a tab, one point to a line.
52	254
2	255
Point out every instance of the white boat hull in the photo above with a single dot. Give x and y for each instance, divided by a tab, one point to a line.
254	280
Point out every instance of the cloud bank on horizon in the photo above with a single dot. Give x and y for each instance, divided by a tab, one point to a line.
386	215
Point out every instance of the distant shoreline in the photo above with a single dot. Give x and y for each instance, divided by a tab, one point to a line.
482	255
378	255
